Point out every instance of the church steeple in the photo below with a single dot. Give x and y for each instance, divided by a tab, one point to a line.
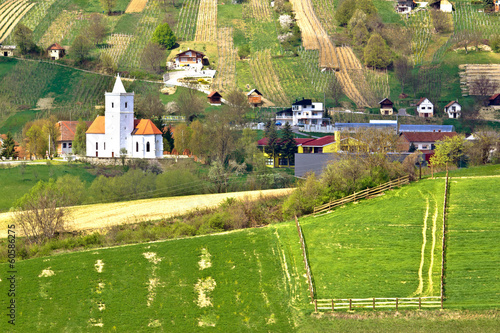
119	88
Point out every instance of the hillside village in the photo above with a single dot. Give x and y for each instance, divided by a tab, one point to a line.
252	165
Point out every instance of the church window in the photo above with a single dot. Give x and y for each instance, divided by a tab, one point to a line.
147	146
137	146
125	105
112	105
104	145
97	146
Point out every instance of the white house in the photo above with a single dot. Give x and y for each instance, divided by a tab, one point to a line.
118	129
55	51
425	108
445	6
453	109
303	112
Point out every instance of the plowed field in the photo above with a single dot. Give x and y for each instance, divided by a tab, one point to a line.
136	6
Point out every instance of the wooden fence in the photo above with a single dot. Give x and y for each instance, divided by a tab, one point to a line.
306	261
377	303
369	192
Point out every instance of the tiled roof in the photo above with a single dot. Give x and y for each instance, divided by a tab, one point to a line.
385	101
55	46
214	93
320	142
494	96
427	136
97	126
254	91
421	100
299	141
450	104
145	127
68	129
200	53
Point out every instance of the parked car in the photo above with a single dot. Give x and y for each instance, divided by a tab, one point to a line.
278	124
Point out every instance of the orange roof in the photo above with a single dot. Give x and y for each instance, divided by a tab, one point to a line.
55	46
97	126
68	129
145	127
214	93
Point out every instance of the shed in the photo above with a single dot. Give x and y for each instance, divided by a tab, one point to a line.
254	97
214	98
495	100
7	50
56	51
386	106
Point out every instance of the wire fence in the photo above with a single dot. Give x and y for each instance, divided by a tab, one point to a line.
306	261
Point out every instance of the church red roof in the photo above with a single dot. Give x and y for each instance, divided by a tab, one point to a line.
97	126
145	127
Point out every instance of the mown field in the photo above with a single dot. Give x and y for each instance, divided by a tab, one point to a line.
473	252
377	248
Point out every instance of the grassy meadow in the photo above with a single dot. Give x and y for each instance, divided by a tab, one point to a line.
375	248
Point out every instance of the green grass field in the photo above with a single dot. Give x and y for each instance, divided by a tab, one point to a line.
17	181
375	248
473	252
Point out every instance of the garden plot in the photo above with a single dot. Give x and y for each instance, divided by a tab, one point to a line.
11	12
266	78
206	24
226	69
136	6
383	247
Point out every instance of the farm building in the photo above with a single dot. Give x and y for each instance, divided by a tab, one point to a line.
254	97
118	132
303	112
405	6
65	140
453	109
495	100
55	51
425	108
386	106
426	128
422	140
189	58
214	98
443	5
7	50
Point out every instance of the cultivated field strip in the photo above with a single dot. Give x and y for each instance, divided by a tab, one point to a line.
136	6
10	14
325	10
226	71
471	72
261	10
59	29
347	66
106	215
206	24
266	79
314	36
420	25
188	16
116	45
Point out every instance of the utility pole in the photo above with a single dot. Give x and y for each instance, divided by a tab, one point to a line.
49	145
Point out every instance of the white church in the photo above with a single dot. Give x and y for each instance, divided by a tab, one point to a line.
118	129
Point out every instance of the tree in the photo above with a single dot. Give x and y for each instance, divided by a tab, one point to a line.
80	48
168	139
273	147
107	63
51	133
402	69
149	106
480	149
335	91
107	5
464	38
38	213
377	53
221	138
80	140
243	51
442	22
345	12
197	142
358	17
97	28
153	57
366	6
35	141
237	106
7	149
449	150
248	144
495	43
288	144
182	136
483	86
23	37
164	36
360	34
190	103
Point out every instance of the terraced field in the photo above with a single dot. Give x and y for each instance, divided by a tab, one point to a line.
471	72
226	71
352	79
11	12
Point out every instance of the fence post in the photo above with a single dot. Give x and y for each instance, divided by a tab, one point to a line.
420	303
373	303
333	306
315	305
350	304
397	303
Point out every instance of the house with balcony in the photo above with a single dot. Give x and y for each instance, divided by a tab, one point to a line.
453	109
303	112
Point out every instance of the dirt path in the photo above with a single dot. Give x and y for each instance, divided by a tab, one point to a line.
110	214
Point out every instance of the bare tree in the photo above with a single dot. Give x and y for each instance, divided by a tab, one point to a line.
464	39
152	57
483	87
335	91
38	214
402	69
97	28
237	106
191	104
442	21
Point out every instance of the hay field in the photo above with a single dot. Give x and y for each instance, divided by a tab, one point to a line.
110	214
136	6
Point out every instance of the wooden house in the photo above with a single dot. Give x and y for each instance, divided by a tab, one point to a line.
425	108
386	106
495	100
453	109
7	50
214	98
56	51
189	58
254	97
